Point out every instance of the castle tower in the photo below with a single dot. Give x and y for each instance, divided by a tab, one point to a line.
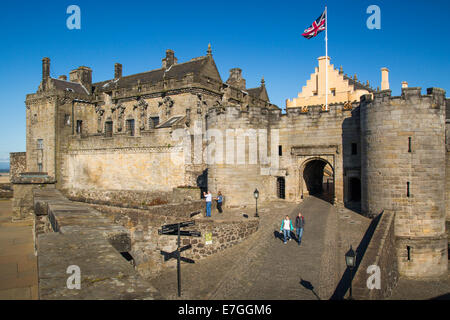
403	156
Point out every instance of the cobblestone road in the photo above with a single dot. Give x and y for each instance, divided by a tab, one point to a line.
262	267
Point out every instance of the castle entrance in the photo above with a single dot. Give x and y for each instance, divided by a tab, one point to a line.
318	179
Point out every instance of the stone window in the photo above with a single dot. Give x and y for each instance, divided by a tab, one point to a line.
407	190
153	122
354	149
280	150
79	126
130	127
40	169
108	128
67	119
333	92
40	144
409	144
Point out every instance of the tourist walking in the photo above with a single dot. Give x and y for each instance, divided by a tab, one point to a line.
286	228
208	199
219	201
299	225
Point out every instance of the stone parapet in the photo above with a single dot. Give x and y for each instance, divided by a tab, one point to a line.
77	235
381	253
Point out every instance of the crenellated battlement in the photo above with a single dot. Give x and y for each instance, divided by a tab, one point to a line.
435	98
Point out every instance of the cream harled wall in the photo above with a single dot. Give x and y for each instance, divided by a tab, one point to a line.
339	89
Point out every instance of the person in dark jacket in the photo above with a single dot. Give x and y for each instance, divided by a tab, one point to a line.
219	202
299	225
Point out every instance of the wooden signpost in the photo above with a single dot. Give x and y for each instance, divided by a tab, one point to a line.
175	230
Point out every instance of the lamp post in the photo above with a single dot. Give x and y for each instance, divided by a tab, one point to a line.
350	261
256	195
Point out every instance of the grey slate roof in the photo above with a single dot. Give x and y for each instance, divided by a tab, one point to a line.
69	86
177	71
259	92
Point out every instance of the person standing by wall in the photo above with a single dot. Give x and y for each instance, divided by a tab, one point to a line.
208	199
299	225
286	228
219	202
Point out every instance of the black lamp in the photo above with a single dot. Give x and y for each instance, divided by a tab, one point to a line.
256	195
350	261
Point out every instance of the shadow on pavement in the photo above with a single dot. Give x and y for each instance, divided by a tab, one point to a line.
442	297
308	285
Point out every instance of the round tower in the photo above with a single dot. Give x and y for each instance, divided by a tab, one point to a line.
403	170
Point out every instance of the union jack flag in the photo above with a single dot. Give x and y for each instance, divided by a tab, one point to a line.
317	27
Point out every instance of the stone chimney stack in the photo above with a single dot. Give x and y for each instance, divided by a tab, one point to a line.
384	79
117	71
45	69
404	84
82	75
169	60
236	79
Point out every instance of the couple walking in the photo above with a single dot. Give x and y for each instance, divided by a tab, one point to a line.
208	199
286	227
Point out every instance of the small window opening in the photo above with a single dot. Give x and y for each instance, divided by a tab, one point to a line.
130	127
407	189
280	150
354	149
79	126
408	250
108	128
409	144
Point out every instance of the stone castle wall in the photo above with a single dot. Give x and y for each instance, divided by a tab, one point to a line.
406	177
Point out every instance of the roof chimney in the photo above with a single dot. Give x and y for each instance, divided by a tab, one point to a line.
236	79
384	79
117	71
45	69
169	60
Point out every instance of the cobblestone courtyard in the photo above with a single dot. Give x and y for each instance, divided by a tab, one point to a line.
262	267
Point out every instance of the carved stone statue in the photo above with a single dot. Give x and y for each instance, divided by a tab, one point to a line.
167	103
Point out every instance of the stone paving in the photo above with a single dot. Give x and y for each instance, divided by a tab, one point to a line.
18	266
263	267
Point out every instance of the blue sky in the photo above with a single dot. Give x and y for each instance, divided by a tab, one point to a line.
263	38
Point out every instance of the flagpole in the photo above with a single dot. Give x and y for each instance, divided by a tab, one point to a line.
326	59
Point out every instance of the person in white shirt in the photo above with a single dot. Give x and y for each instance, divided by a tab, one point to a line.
208	199
286	228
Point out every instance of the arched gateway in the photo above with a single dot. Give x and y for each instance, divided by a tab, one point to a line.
317	179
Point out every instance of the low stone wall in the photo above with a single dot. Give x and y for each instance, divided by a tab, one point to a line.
151	250
75	235
132	198
380	252
17	163
6	191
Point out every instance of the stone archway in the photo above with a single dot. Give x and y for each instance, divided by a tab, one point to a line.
317	179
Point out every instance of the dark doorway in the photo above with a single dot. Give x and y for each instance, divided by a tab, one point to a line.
354	189
319	179
202	182
281	187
